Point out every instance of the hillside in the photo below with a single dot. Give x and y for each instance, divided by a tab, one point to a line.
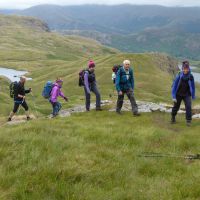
93	155
27	44
175	28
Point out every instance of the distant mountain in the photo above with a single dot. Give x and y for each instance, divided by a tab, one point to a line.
8	11
174	30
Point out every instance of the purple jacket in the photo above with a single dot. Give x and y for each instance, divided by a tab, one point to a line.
56	92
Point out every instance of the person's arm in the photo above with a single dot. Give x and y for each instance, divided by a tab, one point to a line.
86	82
27	91
174	86
61	94
193	88
117	80
132	79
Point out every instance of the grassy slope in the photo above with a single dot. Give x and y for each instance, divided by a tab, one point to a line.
88	156
93	155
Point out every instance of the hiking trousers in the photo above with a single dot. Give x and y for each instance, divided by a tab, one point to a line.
56	107
131	97
94	89
18	103
188	106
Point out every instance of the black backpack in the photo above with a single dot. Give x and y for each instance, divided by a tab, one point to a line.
115	69
81	77
13	87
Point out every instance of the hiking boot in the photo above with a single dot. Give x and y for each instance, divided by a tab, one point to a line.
28	118
9	119
173	120
188	123
136	114
98	109
119	112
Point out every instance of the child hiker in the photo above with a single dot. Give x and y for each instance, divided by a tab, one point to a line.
55	93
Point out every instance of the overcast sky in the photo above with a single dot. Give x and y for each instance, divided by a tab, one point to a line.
28	3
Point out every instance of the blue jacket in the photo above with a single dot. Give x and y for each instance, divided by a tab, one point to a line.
122	83
177	82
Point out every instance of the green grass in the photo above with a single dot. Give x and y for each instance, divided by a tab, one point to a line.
94	156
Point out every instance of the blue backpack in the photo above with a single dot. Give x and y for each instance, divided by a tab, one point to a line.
46	93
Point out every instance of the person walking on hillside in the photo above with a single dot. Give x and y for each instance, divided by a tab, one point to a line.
183	88
90	85
20	98
125	85
55	93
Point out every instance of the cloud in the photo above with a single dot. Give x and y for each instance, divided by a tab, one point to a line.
28	3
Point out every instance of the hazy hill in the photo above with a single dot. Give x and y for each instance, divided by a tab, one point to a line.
176	29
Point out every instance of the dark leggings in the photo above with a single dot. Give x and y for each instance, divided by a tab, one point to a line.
17	104
188	106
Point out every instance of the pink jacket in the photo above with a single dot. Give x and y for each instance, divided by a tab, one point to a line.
56	92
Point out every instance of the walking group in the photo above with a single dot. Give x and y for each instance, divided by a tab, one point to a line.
183	88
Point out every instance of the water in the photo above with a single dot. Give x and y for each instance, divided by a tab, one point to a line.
195	74
12	75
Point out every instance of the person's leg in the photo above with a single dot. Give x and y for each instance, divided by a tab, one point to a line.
25	106
56	108
59	106
95	90
87	99
119	103
134	106
15	109
176	108
188	107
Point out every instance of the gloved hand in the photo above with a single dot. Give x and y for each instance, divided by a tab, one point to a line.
65	98
174	100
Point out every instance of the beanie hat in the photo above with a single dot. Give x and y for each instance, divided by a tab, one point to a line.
185	64
59	80
91	64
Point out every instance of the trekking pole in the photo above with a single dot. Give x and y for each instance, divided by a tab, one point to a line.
167	155
34	104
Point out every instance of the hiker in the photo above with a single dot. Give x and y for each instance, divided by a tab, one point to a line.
55	93
183	88
125	85
90	85
20	98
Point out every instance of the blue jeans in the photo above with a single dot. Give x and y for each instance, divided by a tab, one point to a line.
56	108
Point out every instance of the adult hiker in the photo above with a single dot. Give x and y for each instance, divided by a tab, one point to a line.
90	85
55	93
125	85
20	98
183	88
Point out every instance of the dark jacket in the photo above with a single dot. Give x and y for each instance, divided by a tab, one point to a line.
122	83
19	90
177	83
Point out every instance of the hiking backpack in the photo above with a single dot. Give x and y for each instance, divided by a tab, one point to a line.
46	93
81	78
13	87
115	69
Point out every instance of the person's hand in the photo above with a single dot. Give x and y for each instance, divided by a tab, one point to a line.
65	98
30	89
120	93
174	100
